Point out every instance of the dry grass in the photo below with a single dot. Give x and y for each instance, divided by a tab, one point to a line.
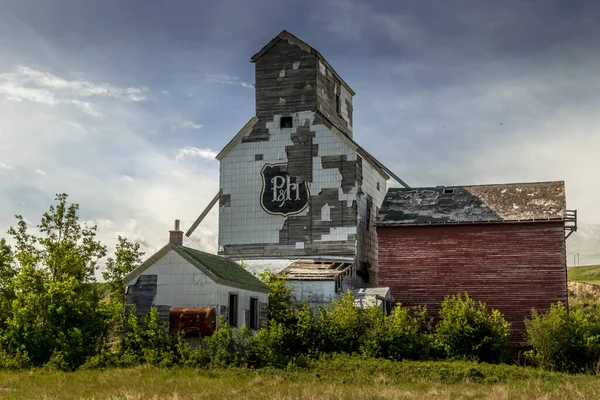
351	383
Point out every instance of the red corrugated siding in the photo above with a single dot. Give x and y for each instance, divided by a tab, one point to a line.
511	267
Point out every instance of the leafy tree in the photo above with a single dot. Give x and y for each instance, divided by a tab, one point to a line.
281	301
7	267
127	257
470	330
8	272
54	311
68	249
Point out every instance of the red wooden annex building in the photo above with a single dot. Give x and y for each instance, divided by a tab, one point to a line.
502	244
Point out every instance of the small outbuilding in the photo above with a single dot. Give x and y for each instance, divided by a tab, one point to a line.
315	281
502	244
380	297
178	276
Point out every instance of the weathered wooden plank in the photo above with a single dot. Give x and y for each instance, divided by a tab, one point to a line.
512	268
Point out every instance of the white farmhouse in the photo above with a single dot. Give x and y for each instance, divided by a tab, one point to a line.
179	276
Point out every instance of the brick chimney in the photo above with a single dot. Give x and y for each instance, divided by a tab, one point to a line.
176	236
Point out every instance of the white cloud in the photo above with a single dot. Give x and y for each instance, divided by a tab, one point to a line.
24	75
189	125
228	80
195	152
86	107
29	84
114	167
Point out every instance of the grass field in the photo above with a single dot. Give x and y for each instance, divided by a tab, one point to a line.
340	378
589	274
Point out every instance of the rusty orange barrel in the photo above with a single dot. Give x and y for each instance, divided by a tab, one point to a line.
193	321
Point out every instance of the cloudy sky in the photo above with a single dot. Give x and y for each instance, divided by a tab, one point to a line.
123	104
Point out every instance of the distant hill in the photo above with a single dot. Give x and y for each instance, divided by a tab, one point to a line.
589	274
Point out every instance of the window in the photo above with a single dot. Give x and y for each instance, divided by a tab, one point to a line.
337	90
285	122
448	191
258	157
233	307
253	313
225	200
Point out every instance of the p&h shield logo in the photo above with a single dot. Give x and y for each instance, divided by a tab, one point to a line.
281	193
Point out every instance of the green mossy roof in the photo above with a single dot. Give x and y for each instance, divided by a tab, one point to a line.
226	270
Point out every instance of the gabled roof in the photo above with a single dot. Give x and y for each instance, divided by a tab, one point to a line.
515	202
285	35
221	270
375	163
246	129
382	169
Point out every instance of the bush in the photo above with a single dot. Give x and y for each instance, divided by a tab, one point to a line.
470	330
271	345
187	356
404	335
148	342
229	346
342	326
19	360
564	341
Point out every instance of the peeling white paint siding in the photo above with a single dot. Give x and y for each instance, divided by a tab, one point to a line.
180	284
244	221
348	197
338	234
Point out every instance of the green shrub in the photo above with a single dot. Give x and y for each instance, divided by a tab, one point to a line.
228	346
470	330
564	341
147	342
342	326
402	335
270	346
18	360
305	332
187	356
279	344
